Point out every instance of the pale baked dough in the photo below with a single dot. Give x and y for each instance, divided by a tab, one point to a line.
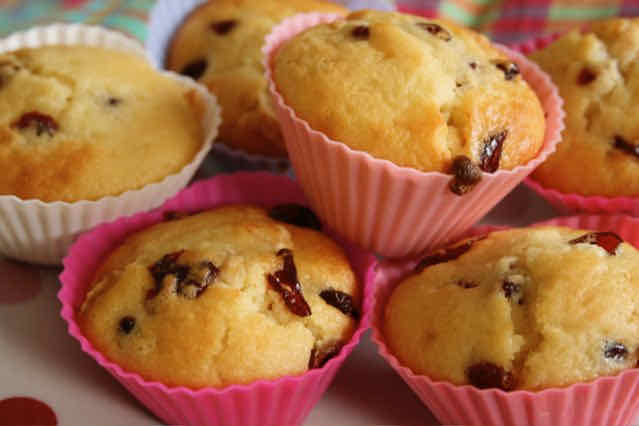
530	303
597	74
415	91
82	123
220	45
238	329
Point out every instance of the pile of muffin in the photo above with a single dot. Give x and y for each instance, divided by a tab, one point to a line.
383	114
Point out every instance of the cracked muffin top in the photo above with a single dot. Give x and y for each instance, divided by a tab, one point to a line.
417	92
597	74
222	297
219	45
520	309
75	122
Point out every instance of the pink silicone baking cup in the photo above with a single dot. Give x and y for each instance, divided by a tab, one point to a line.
395	211
606	401
285	401
570	203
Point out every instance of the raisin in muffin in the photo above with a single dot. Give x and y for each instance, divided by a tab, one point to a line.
598	77
520	309
226	296
219	44
418	92
76	122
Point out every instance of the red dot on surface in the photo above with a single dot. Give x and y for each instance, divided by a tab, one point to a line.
19	282
24	411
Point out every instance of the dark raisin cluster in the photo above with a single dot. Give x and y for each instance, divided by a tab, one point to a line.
486	375
586	76
436	30
42	123
608	241
127	324
191	280
195	69
223	27
465	173
286	283
295	214
320	356
341	301
361	32
625	146
615	351
446	254
491	151
512	291
465	284
510	69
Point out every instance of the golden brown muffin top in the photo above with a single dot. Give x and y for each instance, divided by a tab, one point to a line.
597	74
415	91
524	308
219	44
222	297
77	122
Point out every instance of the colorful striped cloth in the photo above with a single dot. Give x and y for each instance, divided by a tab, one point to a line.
504	20
509	21
128	16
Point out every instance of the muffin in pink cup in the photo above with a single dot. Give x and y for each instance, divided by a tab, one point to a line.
387	123
236	395
542	351
595	166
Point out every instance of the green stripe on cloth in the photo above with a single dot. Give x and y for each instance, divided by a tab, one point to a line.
126	24
140	4
125	15
578	13
74	16
451	10
490	16
483	2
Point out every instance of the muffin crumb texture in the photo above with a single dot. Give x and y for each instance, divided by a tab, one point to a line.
520	309
597	74
414	91
222	297
75	122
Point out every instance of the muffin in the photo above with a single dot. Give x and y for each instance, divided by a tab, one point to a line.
519	309
219	45
421	93
238	291
76	122
598	78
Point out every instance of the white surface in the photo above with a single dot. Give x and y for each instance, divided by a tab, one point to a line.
40	360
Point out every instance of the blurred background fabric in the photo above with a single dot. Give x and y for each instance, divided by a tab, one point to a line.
509	21
128	16
504	20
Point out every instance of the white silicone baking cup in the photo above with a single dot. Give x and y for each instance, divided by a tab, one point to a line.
41	232
165	18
